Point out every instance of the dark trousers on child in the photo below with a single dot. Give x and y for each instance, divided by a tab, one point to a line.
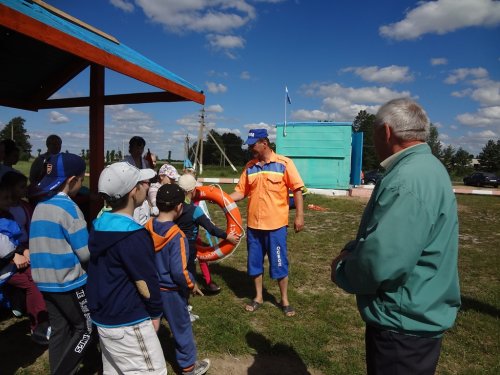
71	330
391	353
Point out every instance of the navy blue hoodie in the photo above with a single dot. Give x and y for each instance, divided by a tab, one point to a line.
122	286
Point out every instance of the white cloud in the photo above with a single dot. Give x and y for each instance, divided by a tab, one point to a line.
461	74
388	74
225	42
483	117
439	61
198	15
341	103
443	16
215	108
462	94
215	88
57	118
245	75
124	5
453	127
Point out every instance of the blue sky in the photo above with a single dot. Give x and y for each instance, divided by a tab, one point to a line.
335	57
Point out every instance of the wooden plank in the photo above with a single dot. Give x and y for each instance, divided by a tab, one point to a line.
46	34
76	21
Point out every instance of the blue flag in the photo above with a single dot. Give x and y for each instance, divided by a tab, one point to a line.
287	96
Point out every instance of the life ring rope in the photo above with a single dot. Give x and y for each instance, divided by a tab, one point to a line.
215	253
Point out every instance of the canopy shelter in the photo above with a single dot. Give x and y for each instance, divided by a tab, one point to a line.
44	48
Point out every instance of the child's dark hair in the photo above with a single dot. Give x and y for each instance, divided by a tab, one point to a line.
12	178
115	203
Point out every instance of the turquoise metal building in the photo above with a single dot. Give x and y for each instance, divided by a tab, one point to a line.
322	151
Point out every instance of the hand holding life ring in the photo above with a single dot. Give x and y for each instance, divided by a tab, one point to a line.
233	219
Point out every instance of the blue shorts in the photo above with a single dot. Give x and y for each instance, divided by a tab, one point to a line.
272	243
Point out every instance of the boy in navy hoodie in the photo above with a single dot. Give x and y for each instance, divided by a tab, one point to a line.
176	281
123	291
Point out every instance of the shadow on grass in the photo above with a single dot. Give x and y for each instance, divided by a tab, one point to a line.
469	303
240	283
17	350
273	359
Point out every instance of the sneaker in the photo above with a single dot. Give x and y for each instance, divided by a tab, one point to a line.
193	317
41	334
212	288
190	308
200	368
17	313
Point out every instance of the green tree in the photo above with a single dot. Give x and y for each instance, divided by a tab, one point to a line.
461	162
15	130
447	155
107	156
489	157
434	142
364	123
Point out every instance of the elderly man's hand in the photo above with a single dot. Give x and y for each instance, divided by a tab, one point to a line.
335	262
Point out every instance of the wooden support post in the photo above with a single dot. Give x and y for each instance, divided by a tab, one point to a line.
96	135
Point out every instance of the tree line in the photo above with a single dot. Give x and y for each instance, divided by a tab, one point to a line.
456	160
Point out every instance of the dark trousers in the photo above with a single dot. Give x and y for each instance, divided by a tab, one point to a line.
175	310
391	353
71	330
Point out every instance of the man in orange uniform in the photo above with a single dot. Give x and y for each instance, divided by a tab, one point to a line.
265	181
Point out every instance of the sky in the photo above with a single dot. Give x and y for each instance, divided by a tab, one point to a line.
335	57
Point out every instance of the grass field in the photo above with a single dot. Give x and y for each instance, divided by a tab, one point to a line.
326	335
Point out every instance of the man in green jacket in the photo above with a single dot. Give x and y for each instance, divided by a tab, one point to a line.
402	266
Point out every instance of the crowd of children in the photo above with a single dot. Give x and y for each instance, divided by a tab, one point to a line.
114	281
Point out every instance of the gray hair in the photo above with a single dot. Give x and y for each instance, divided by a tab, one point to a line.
406	118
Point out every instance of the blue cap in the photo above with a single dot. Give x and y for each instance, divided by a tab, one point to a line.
59	168
254	135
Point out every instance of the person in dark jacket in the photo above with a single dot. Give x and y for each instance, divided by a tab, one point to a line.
123	289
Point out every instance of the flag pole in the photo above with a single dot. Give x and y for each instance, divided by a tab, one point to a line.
286	100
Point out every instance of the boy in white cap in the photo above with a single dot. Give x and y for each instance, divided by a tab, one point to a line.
123	289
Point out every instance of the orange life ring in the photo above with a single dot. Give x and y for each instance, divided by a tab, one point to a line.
233	219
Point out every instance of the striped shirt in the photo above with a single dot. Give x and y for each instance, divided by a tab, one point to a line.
58	245
266	187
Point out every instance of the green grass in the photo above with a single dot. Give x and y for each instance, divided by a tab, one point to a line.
326	336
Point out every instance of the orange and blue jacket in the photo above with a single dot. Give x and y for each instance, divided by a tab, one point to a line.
171	255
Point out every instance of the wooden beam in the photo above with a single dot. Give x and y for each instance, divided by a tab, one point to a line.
96	135
145	97
26	25
74	20
56	82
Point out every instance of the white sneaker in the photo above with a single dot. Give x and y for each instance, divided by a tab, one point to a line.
193	317
190	308
200	368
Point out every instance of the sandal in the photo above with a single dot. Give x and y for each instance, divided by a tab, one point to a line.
288	310
253	306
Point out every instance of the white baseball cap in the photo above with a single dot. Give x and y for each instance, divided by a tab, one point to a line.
118	179
187	182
